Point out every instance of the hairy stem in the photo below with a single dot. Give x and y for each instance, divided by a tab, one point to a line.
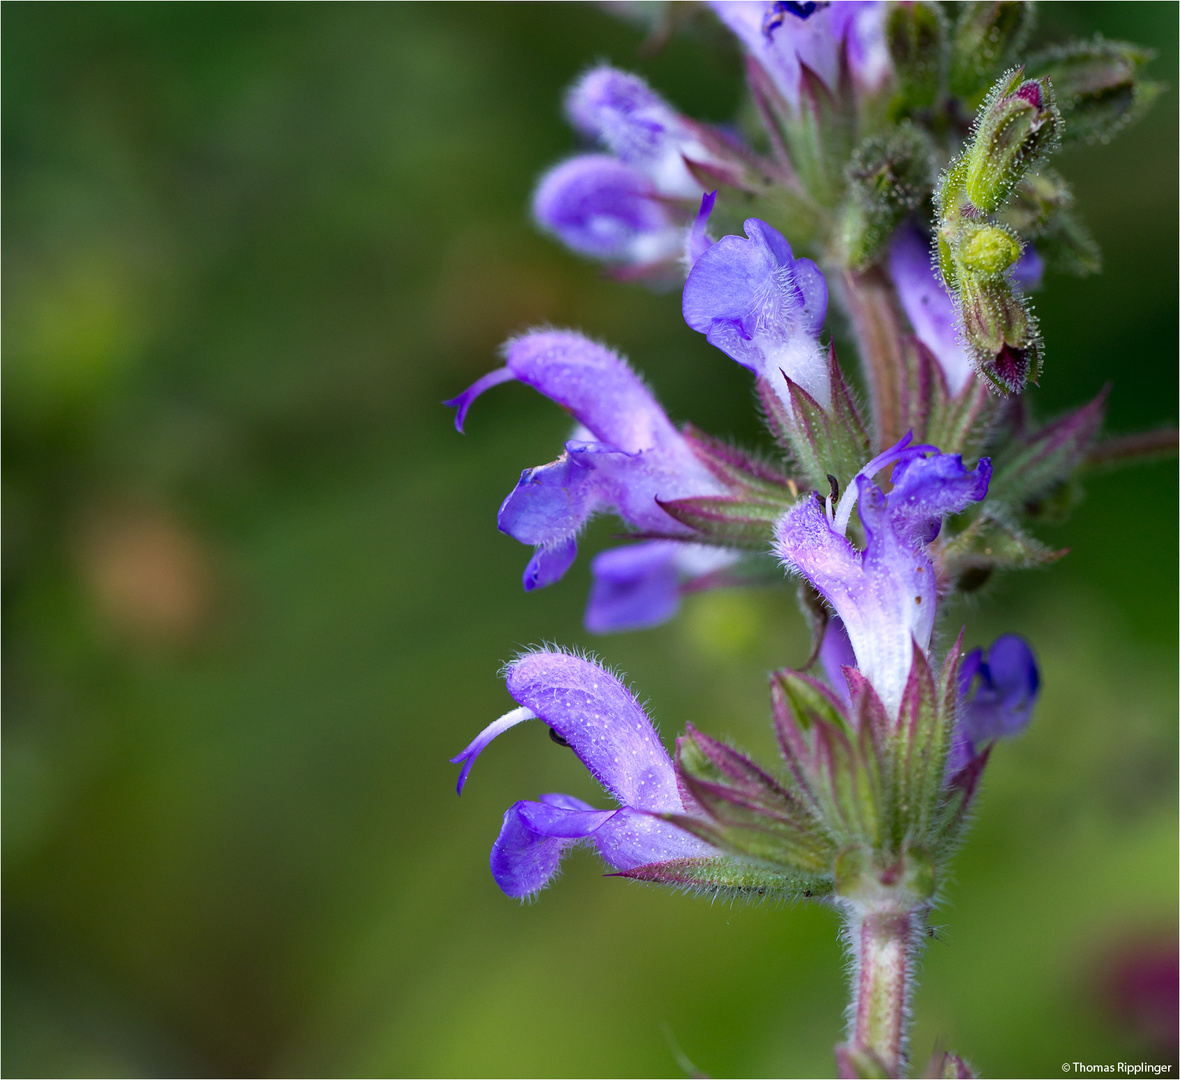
872	308
884	941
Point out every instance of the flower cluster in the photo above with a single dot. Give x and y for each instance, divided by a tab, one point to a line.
928	232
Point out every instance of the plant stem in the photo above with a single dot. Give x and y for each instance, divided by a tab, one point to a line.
872	308
884	941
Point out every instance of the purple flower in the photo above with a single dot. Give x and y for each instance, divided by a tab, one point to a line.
997	692
640	586
615	206
931	309
785	37
884	595
597	206
624	455
764	308
592	712
928	306
621	112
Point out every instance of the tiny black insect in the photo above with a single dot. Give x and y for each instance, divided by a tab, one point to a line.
557	738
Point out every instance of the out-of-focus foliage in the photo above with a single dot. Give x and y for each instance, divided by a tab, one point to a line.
254	595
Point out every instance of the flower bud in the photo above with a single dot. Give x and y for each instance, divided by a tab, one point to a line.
1001	332
987	250
1018	124
1098	86
916	34
985	38
888	177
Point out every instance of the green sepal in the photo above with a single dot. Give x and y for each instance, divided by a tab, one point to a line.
956	802
1001	332
727	520
860	1063
1040	208
836	762
1033	203
1032	464
1017	125
727	875
727	775
748	813
959	425
801	706
765	193
736	468
824	443
988	251
820	134
919	752
1067	245
989	544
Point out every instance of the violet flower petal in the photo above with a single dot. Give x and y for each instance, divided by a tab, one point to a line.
763	307
697	240
477	745
595	384
524	861
625	457
631	838
549	564
1008	685
551	503
1029	270
603	724
634	587
463	402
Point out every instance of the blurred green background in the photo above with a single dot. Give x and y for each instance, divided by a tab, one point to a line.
255	597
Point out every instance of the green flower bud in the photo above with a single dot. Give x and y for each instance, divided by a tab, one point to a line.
1017	125
987	36
917	37
1098	86
987	250
1001	332
888	177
